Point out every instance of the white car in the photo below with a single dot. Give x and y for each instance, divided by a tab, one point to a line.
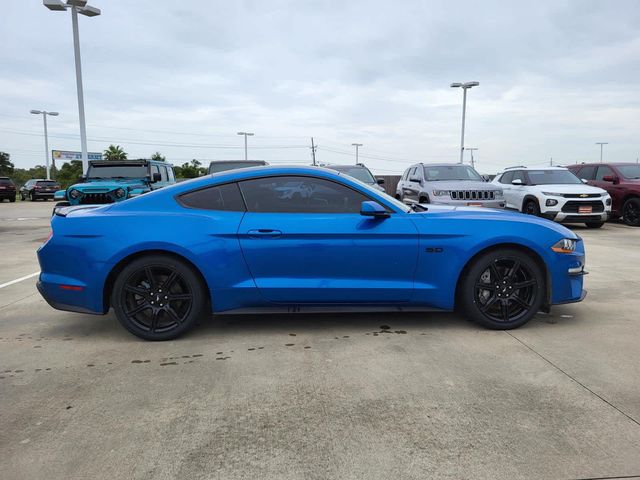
554	193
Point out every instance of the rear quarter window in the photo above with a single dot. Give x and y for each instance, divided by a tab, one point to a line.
220	197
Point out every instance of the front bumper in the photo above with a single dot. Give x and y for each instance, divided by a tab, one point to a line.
469	203
562	217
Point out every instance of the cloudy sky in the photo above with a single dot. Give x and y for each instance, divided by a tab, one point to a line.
183	77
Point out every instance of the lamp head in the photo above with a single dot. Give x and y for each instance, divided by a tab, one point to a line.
36	112
54	4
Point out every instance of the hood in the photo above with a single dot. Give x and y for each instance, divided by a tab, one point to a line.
103	186
491	214
570	188
461	185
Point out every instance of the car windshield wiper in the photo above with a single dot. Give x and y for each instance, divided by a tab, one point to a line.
416	207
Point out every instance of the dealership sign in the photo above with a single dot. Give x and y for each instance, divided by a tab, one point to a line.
64	156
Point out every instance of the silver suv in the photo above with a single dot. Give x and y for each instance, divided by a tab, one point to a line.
447	184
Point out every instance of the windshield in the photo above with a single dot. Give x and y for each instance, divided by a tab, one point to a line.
5	181
450	172
552	177
117	171
224	166
630	171
387	198
359	173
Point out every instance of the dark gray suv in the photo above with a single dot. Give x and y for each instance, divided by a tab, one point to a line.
447	184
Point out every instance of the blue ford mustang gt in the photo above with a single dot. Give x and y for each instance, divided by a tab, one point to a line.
295	239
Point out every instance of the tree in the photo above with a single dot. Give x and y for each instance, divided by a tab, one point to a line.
158	156
114	153
191	169
6	167
69	173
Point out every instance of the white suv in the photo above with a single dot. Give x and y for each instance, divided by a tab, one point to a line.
554	193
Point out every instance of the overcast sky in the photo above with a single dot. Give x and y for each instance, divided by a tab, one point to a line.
184	77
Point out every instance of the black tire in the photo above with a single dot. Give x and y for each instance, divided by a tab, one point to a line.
143	308
631	212
594	224
531	207
502	289
424	200
32	196
22	197
12	199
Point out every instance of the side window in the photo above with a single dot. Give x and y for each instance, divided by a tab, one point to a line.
519	175
154	169
603	172
588	173
163	173
223	197
170	174
300	195
507	177
412	172
405	174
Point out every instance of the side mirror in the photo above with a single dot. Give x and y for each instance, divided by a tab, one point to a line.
373	209
609	178
380	181
584	180
517	181
81	179
155	177
415	179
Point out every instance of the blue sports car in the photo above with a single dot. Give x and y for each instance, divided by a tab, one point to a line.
295	239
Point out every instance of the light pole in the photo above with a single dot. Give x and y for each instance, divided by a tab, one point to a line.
246	134
77	6
46	136
473	164
357	145
602	144
465	86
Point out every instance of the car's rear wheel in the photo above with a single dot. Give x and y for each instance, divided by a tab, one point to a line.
594	224
33	196
158	297
502	289
631	212
531	207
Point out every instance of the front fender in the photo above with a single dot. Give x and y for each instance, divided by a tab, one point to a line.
60	195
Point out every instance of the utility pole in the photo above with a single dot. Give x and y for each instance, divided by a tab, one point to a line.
313	152
602	144
465	86
246	134
44	114
473	163
357	145
551	162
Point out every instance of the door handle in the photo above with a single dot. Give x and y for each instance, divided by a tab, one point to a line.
264	233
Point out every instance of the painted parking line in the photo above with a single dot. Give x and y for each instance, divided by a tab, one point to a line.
17	280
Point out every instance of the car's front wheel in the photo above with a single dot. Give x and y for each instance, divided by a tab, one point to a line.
531	207
502	289
158	297
631	212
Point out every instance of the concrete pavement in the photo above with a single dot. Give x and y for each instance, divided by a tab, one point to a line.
322	396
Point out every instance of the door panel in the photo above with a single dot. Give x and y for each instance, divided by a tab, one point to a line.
330	258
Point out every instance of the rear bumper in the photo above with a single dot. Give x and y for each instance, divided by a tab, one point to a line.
56	303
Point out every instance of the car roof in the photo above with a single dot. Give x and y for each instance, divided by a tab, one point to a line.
123	162
522	167
238	161
590	164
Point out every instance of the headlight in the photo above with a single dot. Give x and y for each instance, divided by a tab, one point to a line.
440	193
498	194
552	194
74	193
608	201
566	245
551	202
120	193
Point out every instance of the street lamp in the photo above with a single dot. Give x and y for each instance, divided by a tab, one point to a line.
246	134
81	7
602	144
357	145
46	136
473	164
465	86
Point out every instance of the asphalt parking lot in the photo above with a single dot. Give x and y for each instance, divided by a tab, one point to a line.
374	396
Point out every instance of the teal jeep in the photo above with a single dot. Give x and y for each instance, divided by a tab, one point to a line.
114	181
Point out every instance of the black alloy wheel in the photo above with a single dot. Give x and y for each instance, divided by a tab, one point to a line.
503	289
631	212
158	297
531	208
